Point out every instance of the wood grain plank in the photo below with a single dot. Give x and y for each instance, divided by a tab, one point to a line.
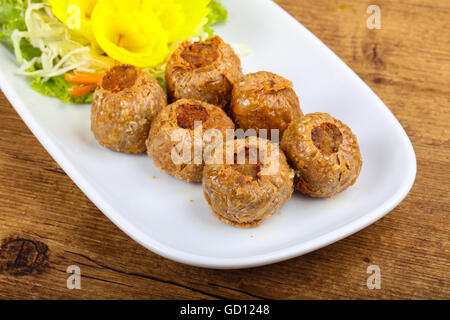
407	63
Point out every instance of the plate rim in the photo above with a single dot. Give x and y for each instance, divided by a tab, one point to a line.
213	262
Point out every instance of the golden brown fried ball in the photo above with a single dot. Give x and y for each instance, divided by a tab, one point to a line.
244	192
264	100
205	71
324	153
166	137
124	105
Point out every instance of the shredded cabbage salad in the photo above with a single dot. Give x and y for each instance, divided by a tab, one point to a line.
65	45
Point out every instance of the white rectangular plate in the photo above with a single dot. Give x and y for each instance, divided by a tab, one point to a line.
159	214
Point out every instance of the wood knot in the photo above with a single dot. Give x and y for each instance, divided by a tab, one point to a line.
373	53
20	256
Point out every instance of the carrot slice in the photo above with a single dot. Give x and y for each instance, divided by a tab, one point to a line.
83	78
81	90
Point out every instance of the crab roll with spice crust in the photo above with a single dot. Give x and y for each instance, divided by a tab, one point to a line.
264	100
324	153
205	71
124	105
249	187
172	138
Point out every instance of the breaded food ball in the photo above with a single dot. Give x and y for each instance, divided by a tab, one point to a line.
324	153
171	140
264	100
250	188
205	71
124	105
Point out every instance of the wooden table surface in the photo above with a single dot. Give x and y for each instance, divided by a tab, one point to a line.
47	223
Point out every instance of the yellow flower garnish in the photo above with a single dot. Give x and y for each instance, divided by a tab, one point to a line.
182	18
138	32
129	32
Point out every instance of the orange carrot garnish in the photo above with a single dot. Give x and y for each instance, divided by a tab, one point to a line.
83	78
82	90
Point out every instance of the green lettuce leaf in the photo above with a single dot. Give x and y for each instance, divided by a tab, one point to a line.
58	87
162	82
12	18
217	14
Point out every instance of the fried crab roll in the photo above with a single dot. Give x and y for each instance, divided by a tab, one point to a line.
252	186
124	105
324	153
205	71
173	137
264	100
